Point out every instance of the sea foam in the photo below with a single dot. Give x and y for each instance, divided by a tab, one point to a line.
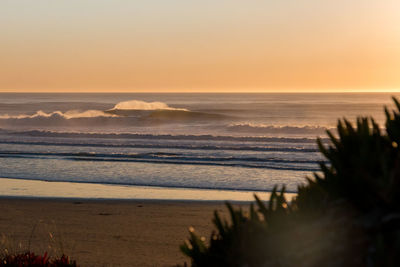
142	105
70	114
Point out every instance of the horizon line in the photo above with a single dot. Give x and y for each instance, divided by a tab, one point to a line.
204	92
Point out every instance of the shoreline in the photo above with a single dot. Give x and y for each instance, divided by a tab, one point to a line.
32	189
124	201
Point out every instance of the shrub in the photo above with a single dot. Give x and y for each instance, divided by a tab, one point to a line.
33	260
346	215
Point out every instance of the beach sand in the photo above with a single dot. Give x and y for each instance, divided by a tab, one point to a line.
105	232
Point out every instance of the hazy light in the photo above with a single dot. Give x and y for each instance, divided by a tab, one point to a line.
205	46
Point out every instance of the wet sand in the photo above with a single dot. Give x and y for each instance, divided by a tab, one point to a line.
104	232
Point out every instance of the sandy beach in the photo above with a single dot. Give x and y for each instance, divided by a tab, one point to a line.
104	233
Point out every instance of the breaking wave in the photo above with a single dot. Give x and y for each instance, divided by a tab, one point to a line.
123	114
134	105
142	105
71	114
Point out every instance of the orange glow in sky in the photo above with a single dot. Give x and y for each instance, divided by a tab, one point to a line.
199	46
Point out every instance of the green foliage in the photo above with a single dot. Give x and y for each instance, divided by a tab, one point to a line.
346	215
363	166
241	240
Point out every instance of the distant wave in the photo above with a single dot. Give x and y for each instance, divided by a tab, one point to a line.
173	158
142	105
41	133
121	107
100	119
167	115
133	105
156	155
260	129
202	146
71	114
151	113
183	115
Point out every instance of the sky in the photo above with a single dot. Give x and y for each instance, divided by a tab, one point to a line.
199	46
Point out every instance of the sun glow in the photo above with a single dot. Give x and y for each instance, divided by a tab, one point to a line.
208	46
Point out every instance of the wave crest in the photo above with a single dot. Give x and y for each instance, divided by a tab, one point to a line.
142	105
70	114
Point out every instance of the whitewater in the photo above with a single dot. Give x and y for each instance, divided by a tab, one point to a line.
248	142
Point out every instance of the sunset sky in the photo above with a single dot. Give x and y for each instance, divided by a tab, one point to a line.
199	46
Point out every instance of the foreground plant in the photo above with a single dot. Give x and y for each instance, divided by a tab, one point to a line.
348	214
33	260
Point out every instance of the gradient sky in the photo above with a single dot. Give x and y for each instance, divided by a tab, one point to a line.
202	46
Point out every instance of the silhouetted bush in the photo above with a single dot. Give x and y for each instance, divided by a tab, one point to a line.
348	214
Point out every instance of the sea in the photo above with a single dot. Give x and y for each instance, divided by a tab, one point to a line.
241	142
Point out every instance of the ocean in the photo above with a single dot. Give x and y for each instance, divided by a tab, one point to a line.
224	142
